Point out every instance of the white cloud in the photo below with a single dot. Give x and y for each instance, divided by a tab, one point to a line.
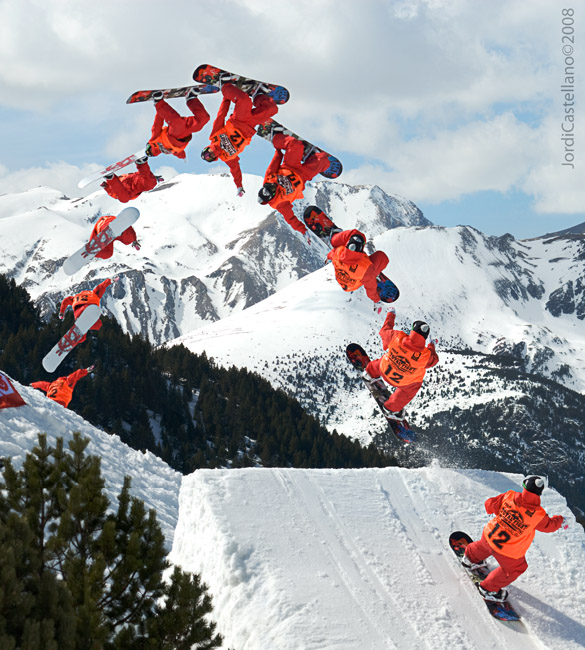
441	97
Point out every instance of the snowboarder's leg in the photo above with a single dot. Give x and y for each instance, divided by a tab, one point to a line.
315	164
127	237
509	569
200	115
243	103
293	150
116	189
177	128
379	260
402	396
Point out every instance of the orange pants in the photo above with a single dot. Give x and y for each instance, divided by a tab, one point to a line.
510	568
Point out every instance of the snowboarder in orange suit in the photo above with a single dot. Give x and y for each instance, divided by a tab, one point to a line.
175	137
61	390
518	515
404	364
229	139
130	186
82	300
285	178
354	268
128	237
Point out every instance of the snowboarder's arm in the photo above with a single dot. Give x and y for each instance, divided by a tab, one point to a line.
101	288
285	209
219	122
387	332
550	524
41	385
493	504
234	165
74	377
434	358
67	302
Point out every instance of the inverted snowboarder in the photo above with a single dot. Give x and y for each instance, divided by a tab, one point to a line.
286	176
84	299
128	237
174	138
130	186
61	390
507	537
404	364
354	268
229	138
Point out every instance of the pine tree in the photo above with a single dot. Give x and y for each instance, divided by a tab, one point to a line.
75	576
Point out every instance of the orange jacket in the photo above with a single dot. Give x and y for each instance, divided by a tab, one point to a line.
162	142
84	298
352	269
61	390
518	516
289	186
407	356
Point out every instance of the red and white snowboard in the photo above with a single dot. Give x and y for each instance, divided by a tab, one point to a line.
82	325
88	251
114	167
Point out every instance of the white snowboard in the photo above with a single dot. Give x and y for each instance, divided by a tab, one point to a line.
88	251
89	317
97	176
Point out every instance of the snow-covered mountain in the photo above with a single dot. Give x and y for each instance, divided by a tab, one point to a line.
337	559
205	253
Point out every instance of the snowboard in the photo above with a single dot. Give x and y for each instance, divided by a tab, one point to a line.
208	74
97	176
88	251
359	359
319	223
502	611
82	325
171	93
271	128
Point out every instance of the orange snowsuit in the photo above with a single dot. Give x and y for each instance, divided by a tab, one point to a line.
82	300
175	137
127	237
354	269
61	390
130	186
405	363
229	139
518	515
289	173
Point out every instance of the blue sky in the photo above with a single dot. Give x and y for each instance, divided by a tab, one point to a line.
454	104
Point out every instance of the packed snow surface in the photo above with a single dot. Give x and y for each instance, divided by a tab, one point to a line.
359	559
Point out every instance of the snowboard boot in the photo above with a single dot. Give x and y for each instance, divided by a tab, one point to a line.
466	563
193	92
109	176
157	96
497	596
394	415
141	160
368	378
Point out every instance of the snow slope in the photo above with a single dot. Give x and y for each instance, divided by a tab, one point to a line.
153	480
358	559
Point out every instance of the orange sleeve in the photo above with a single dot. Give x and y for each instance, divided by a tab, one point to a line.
493	504
234	165
272	169
434	358
101	288
41	385
387	332
67	302
550	524
74	377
